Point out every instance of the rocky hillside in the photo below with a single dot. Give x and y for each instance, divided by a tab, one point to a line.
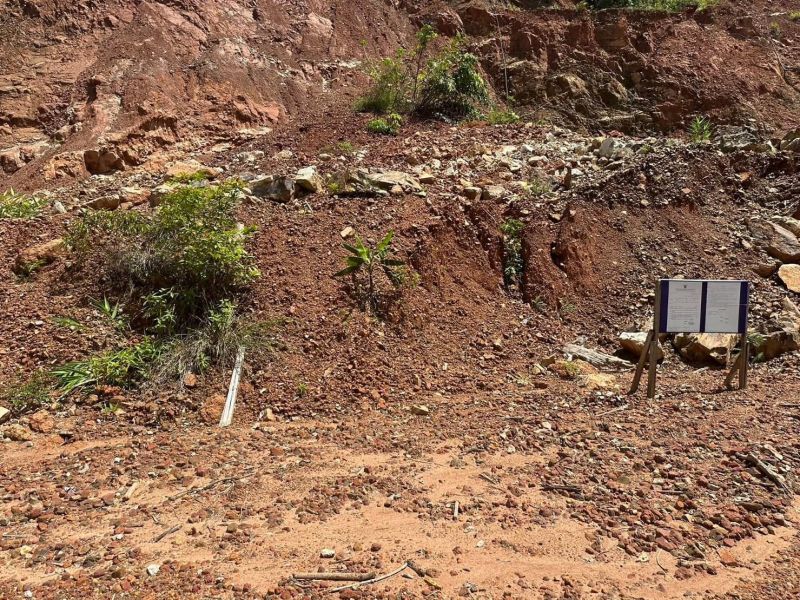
435	315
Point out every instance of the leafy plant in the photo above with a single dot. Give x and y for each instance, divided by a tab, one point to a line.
388	126
566	307
186	178
192	246
14	205
28	395
513	263
68	323
794	15
536	186
122	367
701	129
112	312
447	84
663	5
501	117
364	264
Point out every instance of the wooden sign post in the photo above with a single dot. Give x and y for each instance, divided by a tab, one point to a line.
696	306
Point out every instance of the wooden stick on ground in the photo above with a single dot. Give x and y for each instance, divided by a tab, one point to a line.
169	531
370	581
233	388
767	472
335	576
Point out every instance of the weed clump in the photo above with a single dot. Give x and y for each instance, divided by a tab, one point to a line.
183	268
701	129
24	396
447	83
14	205
513	263
388	126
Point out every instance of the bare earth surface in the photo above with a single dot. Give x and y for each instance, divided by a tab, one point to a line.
457	434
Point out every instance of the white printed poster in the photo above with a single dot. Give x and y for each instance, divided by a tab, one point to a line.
723	303
684	306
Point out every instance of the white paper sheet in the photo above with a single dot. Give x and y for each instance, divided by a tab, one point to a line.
684	306
723	301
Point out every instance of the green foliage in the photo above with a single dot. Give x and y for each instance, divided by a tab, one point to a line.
536	186
388	126
14	205
192	246
68	323
452	86
27	395
501	117
113	312
513	263
183	266
123	367
188	178
28	269
364	264
794	15
701	129
447	84
663	5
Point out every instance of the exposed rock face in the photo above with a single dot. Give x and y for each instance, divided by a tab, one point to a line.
779	242
790	275
271	187
702	348
99	162
41	254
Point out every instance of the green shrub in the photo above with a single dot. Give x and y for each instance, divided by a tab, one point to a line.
513	263
388	126
664	5
501	117
191	248
447	84
14	205
182	267
27	395
701	129
794	15
189	178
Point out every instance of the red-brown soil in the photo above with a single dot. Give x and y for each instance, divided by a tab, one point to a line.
358	434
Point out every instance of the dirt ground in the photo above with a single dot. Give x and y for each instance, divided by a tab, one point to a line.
455	436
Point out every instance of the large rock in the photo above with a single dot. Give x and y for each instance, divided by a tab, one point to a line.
280	189
5	414
776	343
778	241
633	343
595	358
791	141
790	275
100	162
789	223
309	180
377	183
40	255
702	348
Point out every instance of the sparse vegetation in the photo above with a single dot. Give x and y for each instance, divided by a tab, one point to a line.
14	205
794	15
68	323
447	84
386	126
188	178
537	186
27	395
365	265
501	117
513	263
663	5
701	129
183	267
123	367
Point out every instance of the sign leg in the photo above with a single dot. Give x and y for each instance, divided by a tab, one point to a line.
745	354
637	377
651	374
